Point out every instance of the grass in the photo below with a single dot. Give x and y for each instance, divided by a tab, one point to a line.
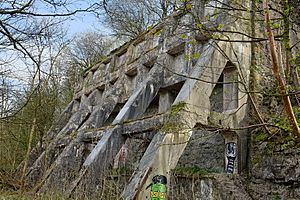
19	196
190	171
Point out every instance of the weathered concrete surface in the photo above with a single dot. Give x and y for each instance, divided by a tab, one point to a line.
93	111
164	155
63	119
58	170
43	166
147	124
102	111
89	179
159	151
68	164
42	163
102	156
160	72
66	167
142	97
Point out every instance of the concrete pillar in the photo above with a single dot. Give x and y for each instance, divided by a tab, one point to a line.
230	90
165	101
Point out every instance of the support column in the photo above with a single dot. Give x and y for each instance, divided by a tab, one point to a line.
165	101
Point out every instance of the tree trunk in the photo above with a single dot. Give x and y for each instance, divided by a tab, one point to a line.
276	70
26	160
291	69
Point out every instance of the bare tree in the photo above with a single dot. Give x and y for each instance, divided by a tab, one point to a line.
131	17
83	52
22	20
87	49
25	30
276	70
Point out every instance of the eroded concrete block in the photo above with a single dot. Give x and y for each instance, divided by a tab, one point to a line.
122	92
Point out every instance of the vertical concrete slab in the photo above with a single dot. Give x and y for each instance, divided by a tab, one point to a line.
230	88
165	101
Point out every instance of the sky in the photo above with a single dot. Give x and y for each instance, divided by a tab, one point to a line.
79	23
84	23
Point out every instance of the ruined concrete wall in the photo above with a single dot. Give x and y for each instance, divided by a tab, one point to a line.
165	149
138	110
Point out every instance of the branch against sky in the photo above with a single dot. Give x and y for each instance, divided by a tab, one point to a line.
21	21
30	31
128	18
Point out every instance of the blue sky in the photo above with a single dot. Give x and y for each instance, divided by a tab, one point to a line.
83	22
79	23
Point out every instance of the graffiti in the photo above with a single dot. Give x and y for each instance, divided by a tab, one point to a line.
158	187
231	155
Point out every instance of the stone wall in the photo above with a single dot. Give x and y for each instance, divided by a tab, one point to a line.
204	151
275	171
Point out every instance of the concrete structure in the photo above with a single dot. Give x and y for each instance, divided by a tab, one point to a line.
142	108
